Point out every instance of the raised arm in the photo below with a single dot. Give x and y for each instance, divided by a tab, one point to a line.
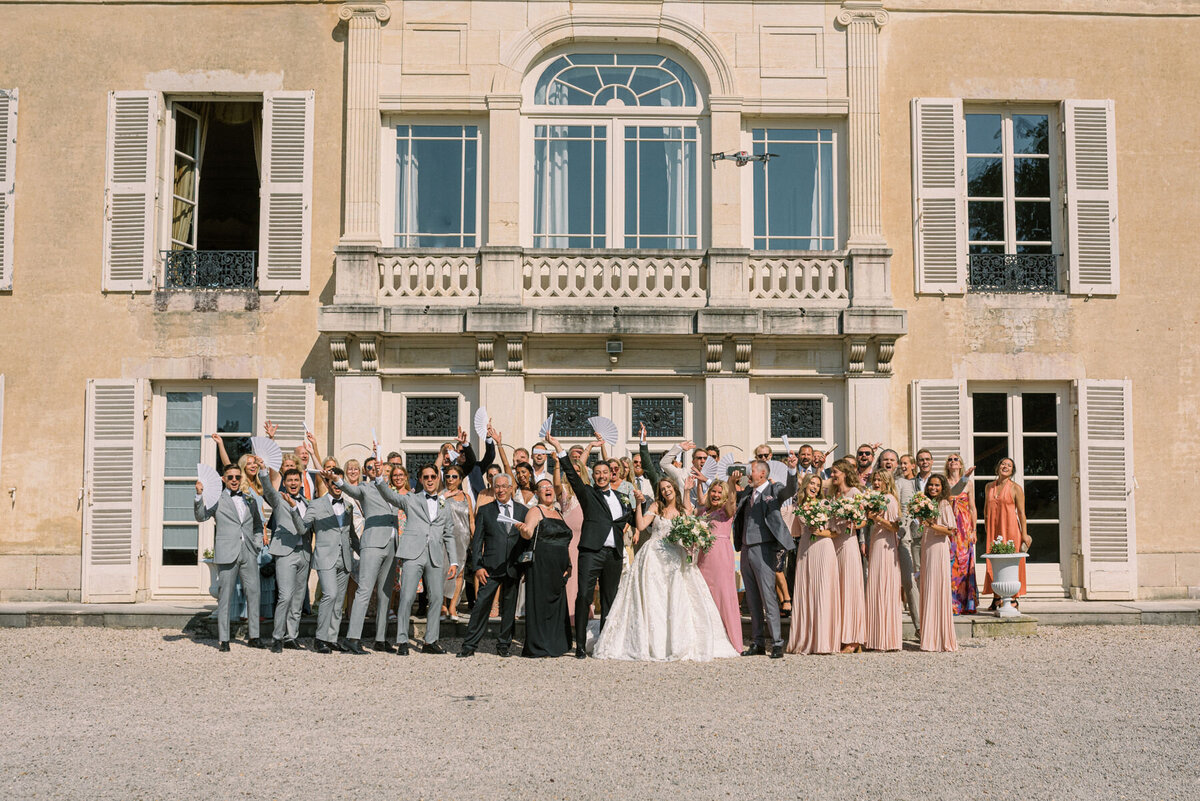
466	454
644	519
494	434
355	491
202	513
221	452
568	469
648	467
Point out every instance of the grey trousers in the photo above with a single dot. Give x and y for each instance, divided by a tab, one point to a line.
376	571
291	577
910	559
758	576
247	567
411	571
333	595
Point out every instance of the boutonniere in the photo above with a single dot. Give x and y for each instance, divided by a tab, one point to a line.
441	503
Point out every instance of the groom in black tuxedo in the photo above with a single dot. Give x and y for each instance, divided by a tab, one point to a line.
495	547
601	541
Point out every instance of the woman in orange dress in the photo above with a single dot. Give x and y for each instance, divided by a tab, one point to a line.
843	478
937	611
885	628
817	616
1004	518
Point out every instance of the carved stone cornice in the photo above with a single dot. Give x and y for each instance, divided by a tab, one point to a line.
380	10
714	352
862	12
485	354
369	353
339	354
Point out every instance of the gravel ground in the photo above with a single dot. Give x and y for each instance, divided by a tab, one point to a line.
1105	712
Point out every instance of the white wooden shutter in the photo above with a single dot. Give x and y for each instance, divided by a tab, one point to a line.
1106	489
129	193
284	241
8	166
940	194
1091	197
940	418
288	403
112	511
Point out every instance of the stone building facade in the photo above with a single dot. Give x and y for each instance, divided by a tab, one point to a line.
376	218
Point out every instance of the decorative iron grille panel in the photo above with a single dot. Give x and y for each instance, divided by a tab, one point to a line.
431	417
798	418
571	416
414	461
1013	272
210	269
663	417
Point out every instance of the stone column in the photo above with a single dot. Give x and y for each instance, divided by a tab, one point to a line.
357	408
363	22
862	20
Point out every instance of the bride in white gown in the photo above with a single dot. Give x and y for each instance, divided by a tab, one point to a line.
664	610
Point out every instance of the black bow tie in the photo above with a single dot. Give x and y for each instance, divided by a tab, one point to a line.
431	497
236	495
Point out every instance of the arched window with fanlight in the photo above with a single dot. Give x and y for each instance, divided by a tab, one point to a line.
616	145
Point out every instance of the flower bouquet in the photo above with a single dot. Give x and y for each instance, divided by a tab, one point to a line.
922	509
874	502
691	533
813	513
850	509
1001	546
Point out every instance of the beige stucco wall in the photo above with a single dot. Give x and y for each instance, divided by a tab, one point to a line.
57	327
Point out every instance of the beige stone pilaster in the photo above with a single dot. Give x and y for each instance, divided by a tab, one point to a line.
726	137
357	409
363	22
504	170
862	20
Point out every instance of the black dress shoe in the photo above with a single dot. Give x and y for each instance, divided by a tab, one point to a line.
777	652
339	646
401	649
580	653
432	648
464	653
321	647
353	647
292	645
223	646
381	645
277	646
256	642
502	652
754	650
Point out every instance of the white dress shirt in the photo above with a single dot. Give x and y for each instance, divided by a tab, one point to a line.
431	505
614	508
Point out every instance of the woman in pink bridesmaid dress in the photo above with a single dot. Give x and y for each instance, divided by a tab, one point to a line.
720	504
884	627
937	610
572	514
817	614
843	478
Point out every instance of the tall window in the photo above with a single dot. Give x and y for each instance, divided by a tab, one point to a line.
794	194
437	186
616	153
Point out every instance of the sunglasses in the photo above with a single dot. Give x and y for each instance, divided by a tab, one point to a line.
865	453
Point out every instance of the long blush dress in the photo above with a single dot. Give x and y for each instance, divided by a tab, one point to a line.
717	568
572	514
1000	520
937	612
884	625
853	593
817	601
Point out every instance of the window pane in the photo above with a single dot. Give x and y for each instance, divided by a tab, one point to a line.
1045	547
660	184
1031	177
183	411
794	195
985	177
1033	220
988	453
983	133
1033	248
1041	456
236	447
990	410
569	186
827	210
985	249
1041	499
1039	411
179	501
235	412
571	415
185	537
469	187
431	417
182	455
436	178
1031	133
985	220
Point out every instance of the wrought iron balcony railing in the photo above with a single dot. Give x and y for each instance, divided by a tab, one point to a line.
1013	272
210	269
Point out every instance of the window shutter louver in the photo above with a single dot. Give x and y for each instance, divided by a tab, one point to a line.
286	195
288	403
1091	197
1106	489
113	489
940	419
8	166
939	195
129	193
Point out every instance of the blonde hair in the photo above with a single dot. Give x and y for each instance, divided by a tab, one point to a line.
888	481
962	467
802	490
255	482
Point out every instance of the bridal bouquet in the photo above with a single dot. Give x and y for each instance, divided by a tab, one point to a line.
813	513
691	533
873	502
922	508
849	509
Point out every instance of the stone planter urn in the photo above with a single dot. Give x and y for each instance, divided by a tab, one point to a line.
213	590
1006	580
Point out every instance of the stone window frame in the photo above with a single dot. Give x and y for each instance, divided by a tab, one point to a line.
827	436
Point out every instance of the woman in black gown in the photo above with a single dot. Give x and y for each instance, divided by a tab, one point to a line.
547	624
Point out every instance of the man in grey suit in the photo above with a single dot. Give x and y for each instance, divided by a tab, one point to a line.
330	520
427	545
909	542
764	539
235	550
292	548
377	554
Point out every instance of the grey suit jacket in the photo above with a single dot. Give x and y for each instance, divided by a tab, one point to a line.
232	531
421	532
379	503
332	540
760	520
288	533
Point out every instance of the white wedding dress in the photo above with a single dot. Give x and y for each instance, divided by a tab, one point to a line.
664	610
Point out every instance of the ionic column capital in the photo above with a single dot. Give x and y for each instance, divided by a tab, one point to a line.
379	10
862	12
